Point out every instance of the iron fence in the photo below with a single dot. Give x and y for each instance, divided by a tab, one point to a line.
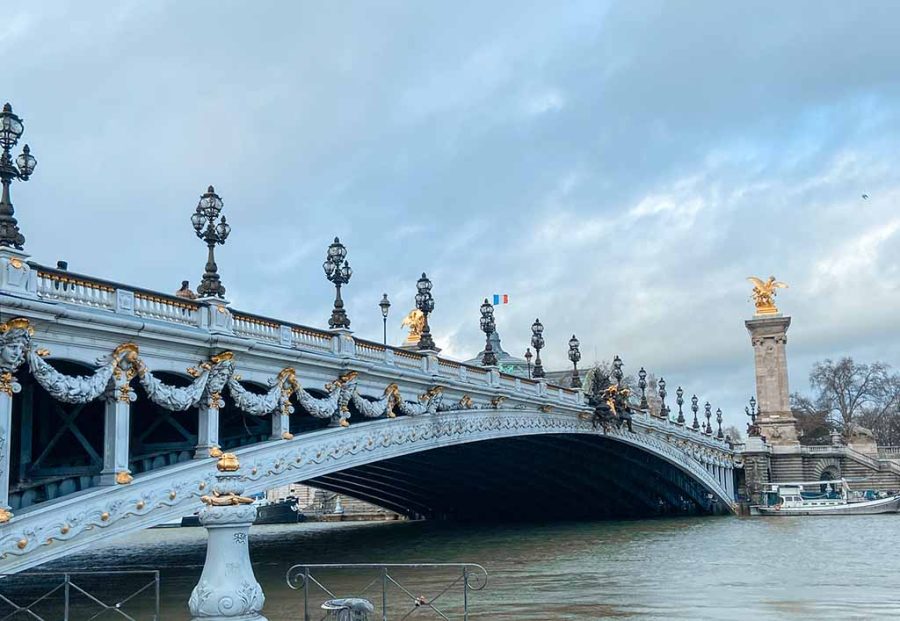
80	595
390	587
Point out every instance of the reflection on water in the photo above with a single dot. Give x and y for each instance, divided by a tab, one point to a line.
692	568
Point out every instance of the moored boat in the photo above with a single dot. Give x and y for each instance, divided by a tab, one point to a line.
823	498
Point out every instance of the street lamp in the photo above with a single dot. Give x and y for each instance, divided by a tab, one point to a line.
425	303
617	370
574	356
338	272
537	341
385	305
528	357
642	384
719	433
11	129
708	414
208	209
489	359
663	408
680	401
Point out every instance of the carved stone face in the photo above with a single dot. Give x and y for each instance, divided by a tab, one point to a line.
13	346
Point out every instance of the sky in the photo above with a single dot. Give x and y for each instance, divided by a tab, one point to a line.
617	168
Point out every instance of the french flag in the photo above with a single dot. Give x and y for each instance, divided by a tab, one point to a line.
501	298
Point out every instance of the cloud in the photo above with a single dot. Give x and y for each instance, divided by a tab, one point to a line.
618	168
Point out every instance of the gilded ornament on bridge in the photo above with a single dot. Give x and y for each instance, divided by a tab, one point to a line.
222	357
5	516
225	500
17	323
228	462
415	321
764	294
123	478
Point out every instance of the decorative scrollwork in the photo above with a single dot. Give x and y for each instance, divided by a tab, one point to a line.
465	403
278	397
379	407
81	388
429	402
176	399
333	406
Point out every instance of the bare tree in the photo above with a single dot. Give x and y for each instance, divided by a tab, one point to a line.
732	431
847	393
814	423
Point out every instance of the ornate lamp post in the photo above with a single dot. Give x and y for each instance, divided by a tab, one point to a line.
617	371
695	425
574	356
708	414
425	303
663	409
11	129
751	412
680	401
642	384
537	341
338	272
385	305
528	357
719	433
489	359
208	209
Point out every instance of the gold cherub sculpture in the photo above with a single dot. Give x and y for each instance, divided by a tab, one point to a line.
764	294
415	321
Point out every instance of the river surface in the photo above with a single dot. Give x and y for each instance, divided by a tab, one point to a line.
692	568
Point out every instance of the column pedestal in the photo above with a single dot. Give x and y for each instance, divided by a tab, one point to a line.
228	589
777	424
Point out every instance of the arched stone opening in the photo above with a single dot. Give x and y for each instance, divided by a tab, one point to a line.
159	437
56	448
237	428
527	478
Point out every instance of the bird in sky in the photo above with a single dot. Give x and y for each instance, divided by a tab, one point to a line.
865	197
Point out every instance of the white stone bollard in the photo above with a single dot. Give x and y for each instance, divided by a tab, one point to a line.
227	589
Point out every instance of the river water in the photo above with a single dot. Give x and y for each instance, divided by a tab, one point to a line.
692	568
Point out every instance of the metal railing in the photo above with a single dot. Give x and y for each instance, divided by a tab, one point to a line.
76	596
390	589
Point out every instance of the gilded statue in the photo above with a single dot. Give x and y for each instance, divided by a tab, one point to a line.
764	294
415	321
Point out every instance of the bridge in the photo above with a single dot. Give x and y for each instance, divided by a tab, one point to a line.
115	401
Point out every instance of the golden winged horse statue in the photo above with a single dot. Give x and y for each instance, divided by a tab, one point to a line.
764	294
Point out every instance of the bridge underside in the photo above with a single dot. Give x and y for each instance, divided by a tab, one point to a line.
527	478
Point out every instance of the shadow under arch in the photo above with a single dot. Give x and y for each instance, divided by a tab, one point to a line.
57	448
159	437
554	476
236	427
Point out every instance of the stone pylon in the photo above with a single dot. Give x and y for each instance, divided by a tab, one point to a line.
227	589
768	335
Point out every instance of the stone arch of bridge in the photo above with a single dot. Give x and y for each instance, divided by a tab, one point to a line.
535	477
499	464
